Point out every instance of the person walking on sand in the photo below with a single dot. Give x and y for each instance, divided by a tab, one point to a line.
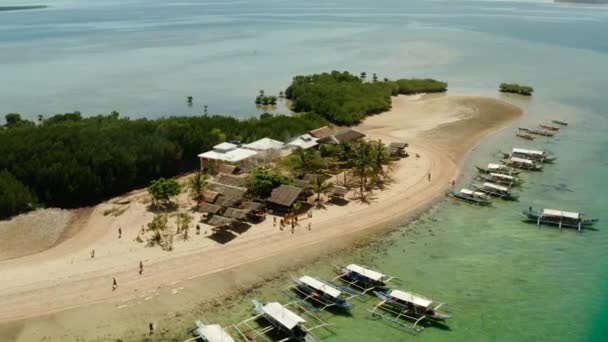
151	328
114	284
198	230
429	176
274	221
141	267
119	232
453	183
309	224
92	254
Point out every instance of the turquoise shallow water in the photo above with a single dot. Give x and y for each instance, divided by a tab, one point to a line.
503	280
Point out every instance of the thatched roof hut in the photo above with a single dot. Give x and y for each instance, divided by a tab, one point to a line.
345	135
232	180
209	208
227	169
321	132
228	201
253	206
210	196
285	195
237	214
397	149
301	183
228	191
220	221
337	191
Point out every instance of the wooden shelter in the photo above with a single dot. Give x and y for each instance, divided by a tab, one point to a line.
228	190
337	191
210	196
345	135
237	214
285	195
253	206
209	208
232	180
321	132
228	201
228	169
220	221
397	149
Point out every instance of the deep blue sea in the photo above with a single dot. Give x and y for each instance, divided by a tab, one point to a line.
504	280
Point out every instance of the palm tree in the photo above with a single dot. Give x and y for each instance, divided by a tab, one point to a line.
320	187
205	109
197	186
379	159
189	100
363	76
374	78
185	219
158	226
302	162
361	163
344	155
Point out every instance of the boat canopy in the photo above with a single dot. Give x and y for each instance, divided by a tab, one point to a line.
472	193
373	275
526	151
282	315
559	213
521	160
320	286
492	166
500	175
495	186
213	333
411	298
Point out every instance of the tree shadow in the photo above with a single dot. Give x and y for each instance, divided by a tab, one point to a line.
162	208
239	227
338	201
365	199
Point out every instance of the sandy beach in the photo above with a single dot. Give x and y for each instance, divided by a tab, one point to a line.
440	129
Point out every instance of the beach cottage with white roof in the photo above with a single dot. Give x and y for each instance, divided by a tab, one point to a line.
268	149
227	153
304	141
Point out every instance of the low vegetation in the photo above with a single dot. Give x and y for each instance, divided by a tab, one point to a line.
263	179
516	89
346	99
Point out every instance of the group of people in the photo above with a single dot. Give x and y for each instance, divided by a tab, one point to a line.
291	220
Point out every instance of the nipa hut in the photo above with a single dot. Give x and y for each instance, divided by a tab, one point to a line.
285	195
220	221
237	214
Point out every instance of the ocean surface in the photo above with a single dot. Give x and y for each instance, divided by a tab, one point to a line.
503	280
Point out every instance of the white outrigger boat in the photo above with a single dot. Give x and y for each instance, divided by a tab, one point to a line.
362	278
210	333
324	294
523	164
558	218
470	196
281	319
534	155
497	168
496	190
499	178
407	305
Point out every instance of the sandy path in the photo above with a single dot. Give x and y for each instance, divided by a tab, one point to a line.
440	129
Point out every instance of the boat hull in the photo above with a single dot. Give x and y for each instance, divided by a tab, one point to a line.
468	199
324	298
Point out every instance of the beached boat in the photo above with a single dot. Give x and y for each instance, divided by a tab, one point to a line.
537	132
323	293
560	122
363	278
549	127
496	190
211	333
498	168
281	319
525	136
499	178
410	306
534	155
470	196
558	218
523	164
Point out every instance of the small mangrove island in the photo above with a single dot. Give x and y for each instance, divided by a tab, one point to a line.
21	8
515	88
